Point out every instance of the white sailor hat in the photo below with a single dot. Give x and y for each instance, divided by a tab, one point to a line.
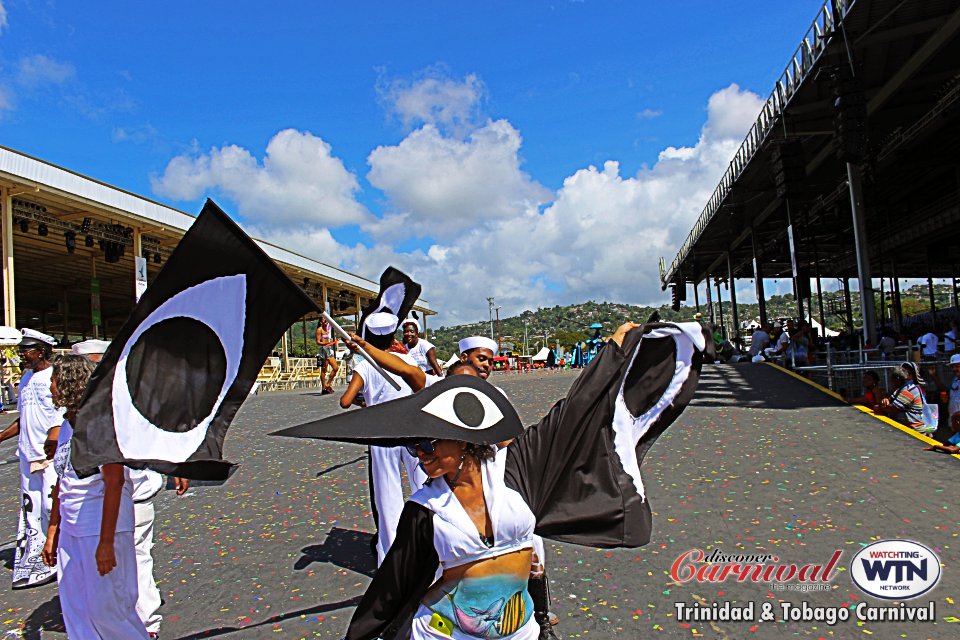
90	347
477	342
33	338
381	323
413	321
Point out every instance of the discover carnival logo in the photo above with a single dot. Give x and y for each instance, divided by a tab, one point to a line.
895	569
888	569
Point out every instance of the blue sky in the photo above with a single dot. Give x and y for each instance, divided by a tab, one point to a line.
539	152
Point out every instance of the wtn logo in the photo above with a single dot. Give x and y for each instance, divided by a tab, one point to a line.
903	570
895	569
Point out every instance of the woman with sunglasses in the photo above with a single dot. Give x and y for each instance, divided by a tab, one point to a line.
460	564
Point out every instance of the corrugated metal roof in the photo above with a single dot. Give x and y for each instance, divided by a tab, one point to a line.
22	168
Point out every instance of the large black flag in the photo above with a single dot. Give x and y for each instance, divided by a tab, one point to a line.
174	377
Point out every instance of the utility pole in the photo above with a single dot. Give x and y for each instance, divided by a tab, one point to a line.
498	328
490	305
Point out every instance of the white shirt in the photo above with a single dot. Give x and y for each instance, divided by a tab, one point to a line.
759	341
146	483
419	353
950	340
953	405
456	539
929	342
377	390
81	500
37	413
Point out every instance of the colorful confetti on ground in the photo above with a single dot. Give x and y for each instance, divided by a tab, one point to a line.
761	463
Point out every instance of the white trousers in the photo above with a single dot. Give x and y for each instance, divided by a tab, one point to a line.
36	498
387	488
98	607
148	601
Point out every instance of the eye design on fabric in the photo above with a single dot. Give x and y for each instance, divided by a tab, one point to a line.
466	408
196	338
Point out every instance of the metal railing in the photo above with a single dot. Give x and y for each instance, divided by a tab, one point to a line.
797	70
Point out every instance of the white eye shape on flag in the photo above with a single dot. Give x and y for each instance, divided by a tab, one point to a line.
173	377
466	408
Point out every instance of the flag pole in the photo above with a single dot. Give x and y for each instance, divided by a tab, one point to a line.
346	336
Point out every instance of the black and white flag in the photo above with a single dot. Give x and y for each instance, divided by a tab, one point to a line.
174	377
398	293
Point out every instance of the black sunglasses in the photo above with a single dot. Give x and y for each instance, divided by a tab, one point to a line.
421	445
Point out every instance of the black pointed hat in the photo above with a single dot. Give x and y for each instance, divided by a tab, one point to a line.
461	407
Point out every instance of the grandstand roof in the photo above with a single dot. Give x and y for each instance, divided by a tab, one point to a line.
907	55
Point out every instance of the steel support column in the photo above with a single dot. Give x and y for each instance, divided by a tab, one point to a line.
794	265
758	280
848	304
723	329
6	239
863	255
733	302
897	307
953	281
710	301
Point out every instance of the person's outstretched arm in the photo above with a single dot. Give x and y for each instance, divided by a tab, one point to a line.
413	375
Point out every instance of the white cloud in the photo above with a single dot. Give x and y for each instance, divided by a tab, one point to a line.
649	114
434	99
6	103
444	185
137	135
299	183
39	70
3	17
599	237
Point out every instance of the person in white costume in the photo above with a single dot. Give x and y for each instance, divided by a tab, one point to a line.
386	483
147	484
37	477
90	537
419	349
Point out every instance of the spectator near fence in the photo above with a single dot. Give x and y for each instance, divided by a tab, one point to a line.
905	404
760	340
929	344
872	393
950	339
953	412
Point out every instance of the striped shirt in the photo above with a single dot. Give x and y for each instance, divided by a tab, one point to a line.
909	399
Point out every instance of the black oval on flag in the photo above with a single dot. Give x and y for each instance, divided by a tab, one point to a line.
191	370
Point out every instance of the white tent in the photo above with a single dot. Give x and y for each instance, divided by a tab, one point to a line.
541	355
10	337
449	362
830	333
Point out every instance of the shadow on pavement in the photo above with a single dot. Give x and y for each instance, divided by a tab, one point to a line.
46	617
757	386
7	557
341	465
322	608
345	548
